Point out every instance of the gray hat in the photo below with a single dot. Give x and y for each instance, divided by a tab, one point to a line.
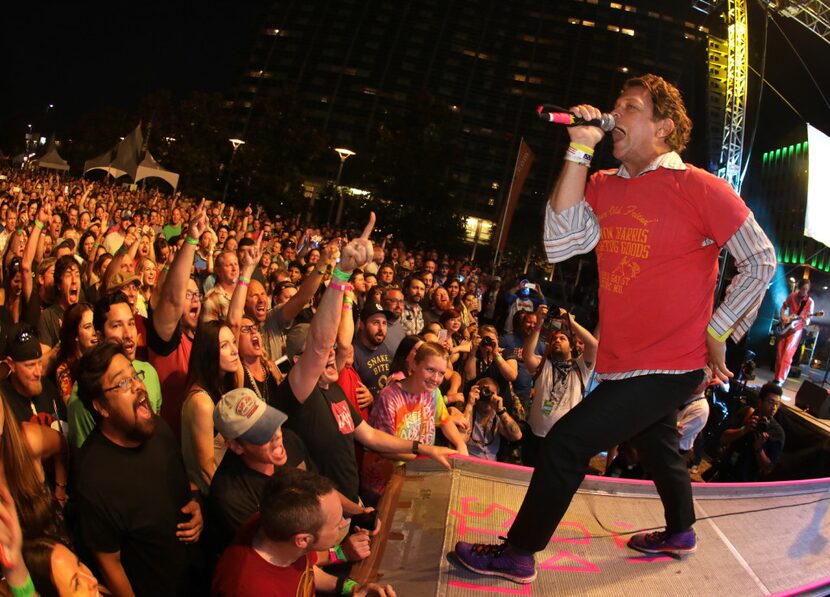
241	415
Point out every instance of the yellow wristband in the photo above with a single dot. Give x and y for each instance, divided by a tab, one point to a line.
581	147
722	338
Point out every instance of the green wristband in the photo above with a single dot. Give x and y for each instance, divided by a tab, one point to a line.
349	586
28	588
340	275
39	224
191	241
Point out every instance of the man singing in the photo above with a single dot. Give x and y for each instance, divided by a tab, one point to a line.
657	225
795	316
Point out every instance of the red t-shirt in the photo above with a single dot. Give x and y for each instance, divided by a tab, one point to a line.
657	266
171	360
242	572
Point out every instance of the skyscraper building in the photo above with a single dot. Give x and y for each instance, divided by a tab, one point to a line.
491	62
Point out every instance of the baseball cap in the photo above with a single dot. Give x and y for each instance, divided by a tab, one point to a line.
241	415
23	344
371	309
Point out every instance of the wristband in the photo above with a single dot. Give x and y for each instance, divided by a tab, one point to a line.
96	245
347	307
165	269
501	412
336	555
338	274
537	329
27	589
719	337
121	251
242	282
338	286
349	587
582	148
244	279
498	356
578	156
348	300
39	224
416	446
191	241
323	271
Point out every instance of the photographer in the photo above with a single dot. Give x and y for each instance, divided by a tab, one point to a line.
486	360
560	375
753	440
488	421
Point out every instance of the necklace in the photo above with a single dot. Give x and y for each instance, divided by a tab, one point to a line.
255	383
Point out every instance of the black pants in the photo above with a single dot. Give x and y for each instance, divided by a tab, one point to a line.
641	409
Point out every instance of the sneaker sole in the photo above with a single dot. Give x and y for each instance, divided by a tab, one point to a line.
668	552
517	579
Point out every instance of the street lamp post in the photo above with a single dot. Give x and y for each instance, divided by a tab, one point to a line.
236	143
344	155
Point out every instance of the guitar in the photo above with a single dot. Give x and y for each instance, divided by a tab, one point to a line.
793	323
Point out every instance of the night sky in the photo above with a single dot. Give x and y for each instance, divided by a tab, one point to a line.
84	56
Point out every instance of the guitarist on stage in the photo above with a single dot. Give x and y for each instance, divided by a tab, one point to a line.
795	316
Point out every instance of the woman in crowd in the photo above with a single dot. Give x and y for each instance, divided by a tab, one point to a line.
56	571
404	360
22	450
213	369
147	273
12	298
77	336
86	246
261	375
412	409
455	343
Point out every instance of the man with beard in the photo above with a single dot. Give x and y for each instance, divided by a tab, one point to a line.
372	357
68	289
171	325
560	385
135	510
250	299
113	319
412	319
32	396
316	406
440	304
393	305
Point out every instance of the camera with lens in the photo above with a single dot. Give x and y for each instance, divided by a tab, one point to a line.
487	341
485	394
762	426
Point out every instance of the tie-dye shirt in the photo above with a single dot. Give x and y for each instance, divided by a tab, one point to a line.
409	416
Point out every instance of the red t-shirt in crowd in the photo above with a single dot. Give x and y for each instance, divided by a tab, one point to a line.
171	360
660	235
242	572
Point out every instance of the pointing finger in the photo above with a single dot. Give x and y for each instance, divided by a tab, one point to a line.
369	227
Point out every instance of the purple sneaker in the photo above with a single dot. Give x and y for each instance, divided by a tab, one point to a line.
678	544
496	560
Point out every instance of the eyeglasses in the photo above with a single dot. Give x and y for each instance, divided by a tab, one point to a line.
248	329
127	382
190	295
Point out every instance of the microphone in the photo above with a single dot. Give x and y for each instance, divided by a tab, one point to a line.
605	122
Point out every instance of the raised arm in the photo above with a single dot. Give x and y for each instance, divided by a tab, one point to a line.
44	216
323	329
345	332
167	314
532	360
250	258
309	287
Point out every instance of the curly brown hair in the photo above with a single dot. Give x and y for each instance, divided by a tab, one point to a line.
667	104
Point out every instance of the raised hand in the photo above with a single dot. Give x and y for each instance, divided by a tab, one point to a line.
359	251
199	222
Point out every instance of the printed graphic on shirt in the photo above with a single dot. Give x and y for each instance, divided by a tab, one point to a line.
630	242
343	416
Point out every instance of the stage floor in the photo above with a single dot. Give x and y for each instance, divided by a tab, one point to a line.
757	539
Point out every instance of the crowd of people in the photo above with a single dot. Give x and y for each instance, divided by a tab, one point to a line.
204	399
173	369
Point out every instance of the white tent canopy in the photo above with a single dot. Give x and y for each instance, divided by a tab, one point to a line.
52	159
150	168
103	162
131	158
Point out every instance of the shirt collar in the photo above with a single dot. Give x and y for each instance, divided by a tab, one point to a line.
670	160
